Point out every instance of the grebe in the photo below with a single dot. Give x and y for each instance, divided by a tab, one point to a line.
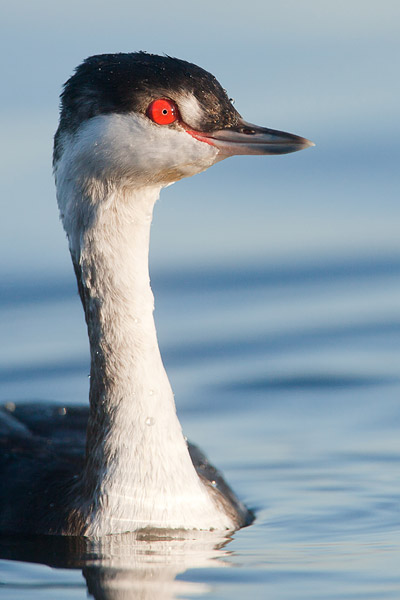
130	124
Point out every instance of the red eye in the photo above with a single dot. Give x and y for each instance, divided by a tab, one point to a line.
163	111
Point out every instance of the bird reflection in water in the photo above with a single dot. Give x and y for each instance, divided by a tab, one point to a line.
133	565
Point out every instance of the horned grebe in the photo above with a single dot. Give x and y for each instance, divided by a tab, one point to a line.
130	124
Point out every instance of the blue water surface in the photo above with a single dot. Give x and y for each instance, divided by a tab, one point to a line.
289	379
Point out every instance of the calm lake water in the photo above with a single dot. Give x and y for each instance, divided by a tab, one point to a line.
277	286
289	378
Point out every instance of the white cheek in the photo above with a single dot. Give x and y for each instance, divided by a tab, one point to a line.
131	150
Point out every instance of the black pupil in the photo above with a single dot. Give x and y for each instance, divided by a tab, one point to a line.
165	111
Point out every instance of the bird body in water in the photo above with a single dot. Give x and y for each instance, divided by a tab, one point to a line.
130	124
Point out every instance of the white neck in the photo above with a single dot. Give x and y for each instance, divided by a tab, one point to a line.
138	472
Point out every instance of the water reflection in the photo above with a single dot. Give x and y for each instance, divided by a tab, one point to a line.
126	566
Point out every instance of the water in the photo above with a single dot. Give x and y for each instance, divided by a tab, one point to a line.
277	285
289	379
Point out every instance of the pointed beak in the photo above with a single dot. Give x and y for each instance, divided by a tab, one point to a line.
247	138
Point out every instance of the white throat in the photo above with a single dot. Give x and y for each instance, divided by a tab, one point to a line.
138	471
